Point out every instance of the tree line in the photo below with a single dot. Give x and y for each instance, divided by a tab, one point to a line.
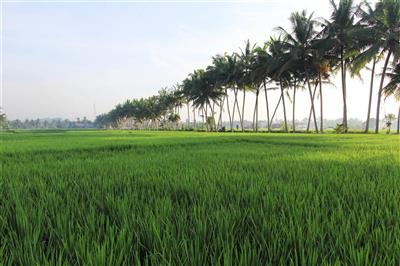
302	58
47	123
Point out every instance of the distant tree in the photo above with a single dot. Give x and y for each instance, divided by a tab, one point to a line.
3	120
174	119
388	121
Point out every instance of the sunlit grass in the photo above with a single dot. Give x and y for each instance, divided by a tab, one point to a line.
121	197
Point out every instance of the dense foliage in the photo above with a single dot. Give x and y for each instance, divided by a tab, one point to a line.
49	123
151	111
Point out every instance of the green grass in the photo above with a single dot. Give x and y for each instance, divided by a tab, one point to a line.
186	198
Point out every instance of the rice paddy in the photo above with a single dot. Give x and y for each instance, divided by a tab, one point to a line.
187	198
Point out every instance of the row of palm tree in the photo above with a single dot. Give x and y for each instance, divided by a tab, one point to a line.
156	111
303	57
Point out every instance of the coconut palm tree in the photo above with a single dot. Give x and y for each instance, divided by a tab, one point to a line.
185	88
224	68
379	36
278	71
337	28
277	78
259	77
228	77
203	92
367	36
303	55
188	89
246	59
184	99
387	16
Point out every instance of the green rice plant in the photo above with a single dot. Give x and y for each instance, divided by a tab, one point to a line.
188	198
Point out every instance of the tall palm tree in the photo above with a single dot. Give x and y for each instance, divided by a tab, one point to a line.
303	55
186	88
366	34
177	99
387	17
203	92
378	34
180	93
231	74
278	71
246	59
220	75
260	76
341	23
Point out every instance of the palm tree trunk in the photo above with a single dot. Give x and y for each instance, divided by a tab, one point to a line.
258	93
194	117
312	95
244	101
188	112
255	113
206	117
380	92
203	116
310	114
294	105
284	106
370	96
235	104
343	72
321	105
229	112
266	101
233	110
221	104
254	116
398	122
212	116
276	108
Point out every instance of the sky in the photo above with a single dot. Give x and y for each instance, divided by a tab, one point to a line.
73	59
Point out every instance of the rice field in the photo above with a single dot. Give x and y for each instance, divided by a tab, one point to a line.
187	198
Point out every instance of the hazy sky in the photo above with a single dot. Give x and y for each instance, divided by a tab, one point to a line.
61	59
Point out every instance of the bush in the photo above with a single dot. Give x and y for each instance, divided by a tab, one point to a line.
340	129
